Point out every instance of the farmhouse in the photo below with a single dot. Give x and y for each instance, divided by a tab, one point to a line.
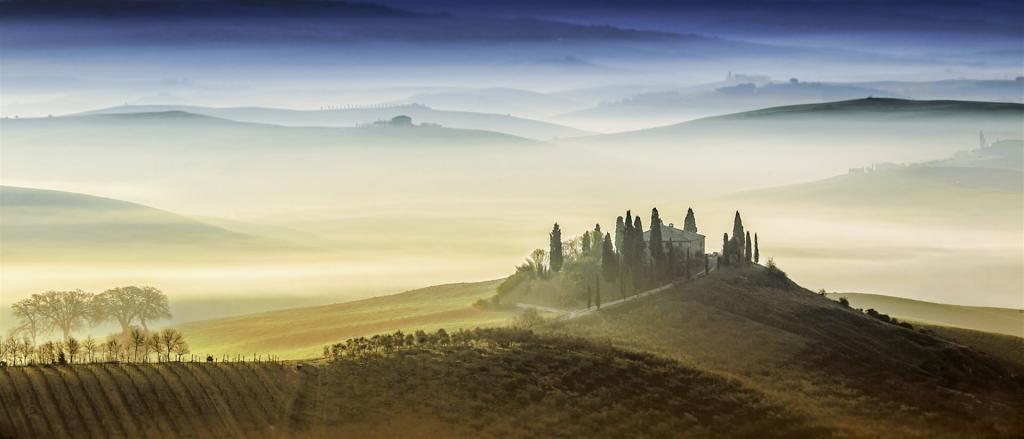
682	240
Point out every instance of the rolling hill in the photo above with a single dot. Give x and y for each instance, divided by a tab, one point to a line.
352	117
987	319
730	350
483	384
852	373
169	126
38	224
500	100
302	332
742	93
888	107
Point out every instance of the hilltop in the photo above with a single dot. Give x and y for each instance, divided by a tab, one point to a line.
849	371
979	318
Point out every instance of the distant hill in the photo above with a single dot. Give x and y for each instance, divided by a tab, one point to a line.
178	129
302	332
978	195
501	101
999	320
998	90
54	226
829	122
801	347
888	107
499	123
742	93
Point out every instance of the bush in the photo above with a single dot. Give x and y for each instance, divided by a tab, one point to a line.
844	302
528	319
774	269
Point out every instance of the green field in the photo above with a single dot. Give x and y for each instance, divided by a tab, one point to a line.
302	332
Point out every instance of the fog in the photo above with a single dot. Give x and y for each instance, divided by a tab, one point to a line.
304	198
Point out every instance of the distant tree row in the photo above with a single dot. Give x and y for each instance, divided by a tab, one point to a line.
69	311
135	346
384	344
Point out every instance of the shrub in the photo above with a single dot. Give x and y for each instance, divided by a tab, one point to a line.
528	319
844	302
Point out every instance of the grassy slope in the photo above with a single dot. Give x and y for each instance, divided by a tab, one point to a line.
1002	346
998	320
535	386
850	372
302	332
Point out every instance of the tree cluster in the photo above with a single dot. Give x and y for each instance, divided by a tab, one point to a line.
69	311
596	257
739	249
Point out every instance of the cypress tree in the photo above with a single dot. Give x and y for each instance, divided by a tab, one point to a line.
627	243
706	263
585	244
725	247
671	260
597	281
737	235
555	257
620	234
596	239
657	249
757	252
590	297
637	267
690	223
609	261
749	251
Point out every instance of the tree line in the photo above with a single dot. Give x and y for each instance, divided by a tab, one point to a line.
132	307
137	346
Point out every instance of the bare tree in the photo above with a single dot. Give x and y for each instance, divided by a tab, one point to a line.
4	359
136	341
154	344
90	348
26	349
112	348
74	347
171	341
537	258
66	310
30	315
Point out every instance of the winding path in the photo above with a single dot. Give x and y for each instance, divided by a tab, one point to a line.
562	314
